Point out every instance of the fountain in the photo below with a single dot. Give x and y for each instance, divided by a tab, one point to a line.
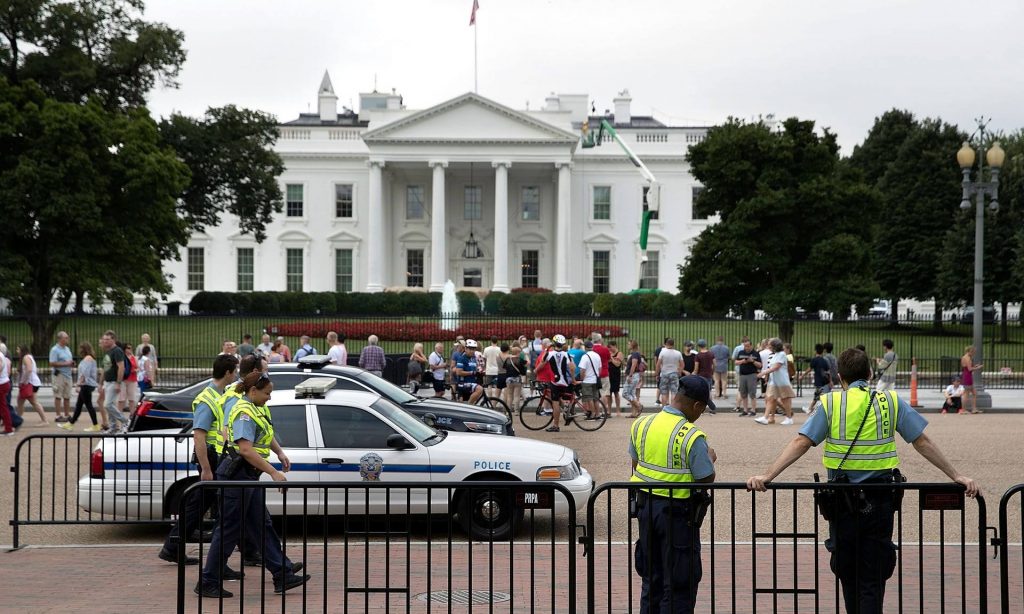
449	307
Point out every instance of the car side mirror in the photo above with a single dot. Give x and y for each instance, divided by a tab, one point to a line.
398	442
429	419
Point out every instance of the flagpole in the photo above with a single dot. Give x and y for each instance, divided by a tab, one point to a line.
476	84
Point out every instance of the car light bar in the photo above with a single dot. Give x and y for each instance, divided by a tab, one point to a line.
315	361
314	387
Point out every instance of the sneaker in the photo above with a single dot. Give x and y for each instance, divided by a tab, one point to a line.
172	557
230	574
211	592
290	582
553	429
787	422
806	409
710	411
544	412
761	420
61	419
9	434
67	426
93	429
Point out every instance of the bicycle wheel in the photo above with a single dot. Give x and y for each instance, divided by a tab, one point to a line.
532	417
496	404
590	425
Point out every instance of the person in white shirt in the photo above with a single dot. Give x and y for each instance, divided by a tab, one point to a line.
492	366
337	353
954	397
766	358
670	361
590	369
438	366
265	346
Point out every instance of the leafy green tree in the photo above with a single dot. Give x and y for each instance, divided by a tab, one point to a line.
792	231
913	165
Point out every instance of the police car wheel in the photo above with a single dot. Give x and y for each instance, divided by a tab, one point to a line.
488	514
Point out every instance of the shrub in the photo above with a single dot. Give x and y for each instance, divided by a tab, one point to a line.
493	301
264	302
212	303
324	303
469	303
604	304
515	304
667	305
542	304
624	306
574	304
426	332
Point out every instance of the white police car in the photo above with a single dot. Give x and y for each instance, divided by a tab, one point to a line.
342	436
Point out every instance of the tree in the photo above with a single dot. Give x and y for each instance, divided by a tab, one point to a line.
791	232
913	165
94	193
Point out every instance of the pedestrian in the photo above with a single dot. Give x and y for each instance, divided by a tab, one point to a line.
705	364
265	346
16	420
606	356
492	364
286	351
721	372
458	349
438	369
822	376
560	364
246	347
87	383
748	362
229	348
590	368
689	362
417	365
833	363
371	357
780	389
147	371
5	389
249	444
113	377
576	354
615	377
305	349
667	554
337	353
61	362
208	442
276	355
144	342
28	384
515	371
736	368
954	397
766	358
858	428
536	346
128	396
886	367
634	372
668	367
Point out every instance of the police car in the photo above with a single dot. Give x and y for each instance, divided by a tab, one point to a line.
345	436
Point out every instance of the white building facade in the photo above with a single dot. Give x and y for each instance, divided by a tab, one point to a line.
388	198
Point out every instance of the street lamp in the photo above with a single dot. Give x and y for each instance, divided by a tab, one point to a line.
979	188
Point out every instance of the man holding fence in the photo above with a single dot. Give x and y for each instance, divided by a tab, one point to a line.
858	427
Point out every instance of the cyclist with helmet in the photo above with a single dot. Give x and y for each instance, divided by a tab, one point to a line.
466	370
562	369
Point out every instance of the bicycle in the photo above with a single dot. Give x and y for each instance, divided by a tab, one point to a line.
492	403
536	417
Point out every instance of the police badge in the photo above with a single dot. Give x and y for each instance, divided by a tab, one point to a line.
370	466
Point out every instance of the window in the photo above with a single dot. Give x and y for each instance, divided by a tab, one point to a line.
196	269
349	427
414	202
293	274
697	189
343	200
649	273
290	426
245	269
531	268
293	200
342	270
654	214
602	266
473	206
473	278
414	268
602	202
531	203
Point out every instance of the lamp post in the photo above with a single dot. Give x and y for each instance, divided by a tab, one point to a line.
979	188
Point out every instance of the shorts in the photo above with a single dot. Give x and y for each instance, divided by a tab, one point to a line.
438	385
61	386
606	386
748	386
780	392
556	391
27	391
514	380
490	380
631	387
668	383
465	390
129	392
590	391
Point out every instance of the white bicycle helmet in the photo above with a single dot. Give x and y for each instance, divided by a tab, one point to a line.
471	344
558	339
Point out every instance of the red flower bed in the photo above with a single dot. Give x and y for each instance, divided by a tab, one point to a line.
396	330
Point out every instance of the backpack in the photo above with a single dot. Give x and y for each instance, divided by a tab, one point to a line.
791	368
642	366
542	366
127	365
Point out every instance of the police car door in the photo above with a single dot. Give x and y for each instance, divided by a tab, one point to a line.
292	429
354	451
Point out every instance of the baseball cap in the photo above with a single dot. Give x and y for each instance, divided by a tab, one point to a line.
696	388
588	344
701	343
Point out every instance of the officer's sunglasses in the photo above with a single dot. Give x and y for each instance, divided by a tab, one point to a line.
262	381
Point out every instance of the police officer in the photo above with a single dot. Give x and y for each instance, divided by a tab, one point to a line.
667	447
858	428
249	443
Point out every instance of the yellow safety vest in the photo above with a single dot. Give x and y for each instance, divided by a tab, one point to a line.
214	400
663	443
876	447
264	427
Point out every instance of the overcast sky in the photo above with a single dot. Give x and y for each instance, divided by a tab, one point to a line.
689	63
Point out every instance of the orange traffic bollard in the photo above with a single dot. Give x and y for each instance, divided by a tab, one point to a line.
913	383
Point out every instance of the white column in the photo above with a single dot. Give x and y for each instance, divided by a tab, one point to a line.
563	224
375	229
501	226
438	246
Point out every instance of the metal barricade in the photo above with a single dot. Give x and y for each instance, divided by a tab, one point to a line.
388	546
63	479
1009	551
767	552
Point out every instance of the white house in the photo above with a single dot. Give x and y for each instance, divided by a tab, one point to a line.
389	197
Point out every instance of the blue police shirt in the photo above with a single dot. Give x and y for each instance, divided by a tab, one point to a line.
466	362
909	424
203	416
699	460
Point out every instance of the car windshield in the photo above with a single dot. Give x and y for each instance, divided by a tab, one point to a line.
406	421
387	389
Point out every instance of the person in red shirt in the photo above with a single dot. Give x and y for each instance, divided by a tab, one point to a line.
705	365
606	359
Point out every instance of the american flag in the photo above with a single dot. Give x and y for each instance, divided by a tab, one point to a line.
472	15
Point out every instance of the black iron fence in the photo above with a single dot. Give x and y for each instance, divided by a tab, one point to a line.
1011	549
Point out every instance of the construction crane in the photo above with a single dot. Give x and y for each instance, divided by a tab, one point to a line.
651	197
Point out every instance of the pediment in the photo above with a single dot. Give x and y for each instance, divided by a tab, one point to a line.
344	236
466	119
601	237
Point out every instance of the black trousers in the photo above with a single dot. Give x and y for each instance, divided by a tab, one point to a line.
863	554
667	556
84	400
